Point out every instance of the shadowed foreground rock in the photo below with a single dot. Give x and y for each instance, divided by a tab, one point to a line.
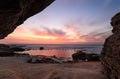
15	12
111	52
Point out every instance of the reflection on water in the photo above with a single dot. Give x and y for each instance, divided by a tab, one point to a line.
56	52
61	50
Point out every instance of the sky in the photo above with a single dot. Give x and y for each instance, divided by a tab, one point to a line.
68	22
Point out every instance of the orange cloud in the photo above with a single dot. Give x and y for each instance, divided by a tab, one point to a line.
24	35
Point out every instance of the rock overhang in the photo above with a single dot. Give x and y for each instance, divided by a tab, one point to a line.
15	12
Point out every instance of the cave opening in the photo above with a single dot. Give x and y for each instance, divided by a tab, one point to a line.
69	32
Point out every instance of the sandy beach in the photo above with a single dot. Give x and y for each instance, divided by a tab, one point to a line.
17	68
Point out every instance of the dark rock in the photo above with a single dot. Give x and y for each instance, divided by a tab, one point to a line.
17	49
69	61
6	53
43	59
41	48
83	56
22	55
80	55
15	12
29	60
4	47
110	55
5	50
92	57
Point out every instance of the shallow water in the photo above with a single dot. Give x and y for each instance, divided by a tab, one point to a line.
61	50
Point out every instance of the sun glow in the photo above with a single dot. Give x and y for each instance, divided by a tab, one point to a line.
23	35
67	22
43	37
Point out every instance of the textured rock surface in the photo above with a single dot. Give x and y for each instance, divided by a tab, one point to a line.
110	55
15	12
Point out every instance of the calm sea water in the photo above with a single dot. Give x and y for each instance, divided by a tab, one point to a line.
61	50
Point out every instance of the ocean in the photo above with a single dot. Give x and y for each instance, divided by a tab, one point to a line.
61	50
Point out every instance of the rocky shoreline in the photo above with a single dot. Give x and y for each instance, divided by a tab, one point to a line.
25	66
78	56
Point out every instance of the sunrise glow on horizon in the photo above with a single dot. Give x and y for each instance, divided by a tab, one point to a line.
67	22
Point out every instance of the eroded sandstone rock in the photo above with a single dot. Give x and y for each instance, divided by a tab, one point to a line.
15	12
110	55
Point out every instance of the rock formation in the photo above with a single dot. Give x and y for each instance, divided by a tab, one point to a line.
44	59
6	51
15	12
92	57
79	55
41	48
83	56
18	49
110	55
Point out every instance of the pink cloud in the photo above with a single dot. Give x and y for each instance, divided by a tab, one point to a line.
50	32
70	33
96	36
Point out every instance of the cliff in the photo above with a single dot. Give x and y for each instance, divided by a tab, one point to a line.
110	55
15	12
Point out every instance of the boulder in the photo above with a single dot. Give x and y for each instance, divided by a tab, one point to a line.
41	48
80	55
83	56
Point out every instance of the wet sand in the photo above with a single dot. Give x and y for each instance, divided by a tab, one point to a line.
17	68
